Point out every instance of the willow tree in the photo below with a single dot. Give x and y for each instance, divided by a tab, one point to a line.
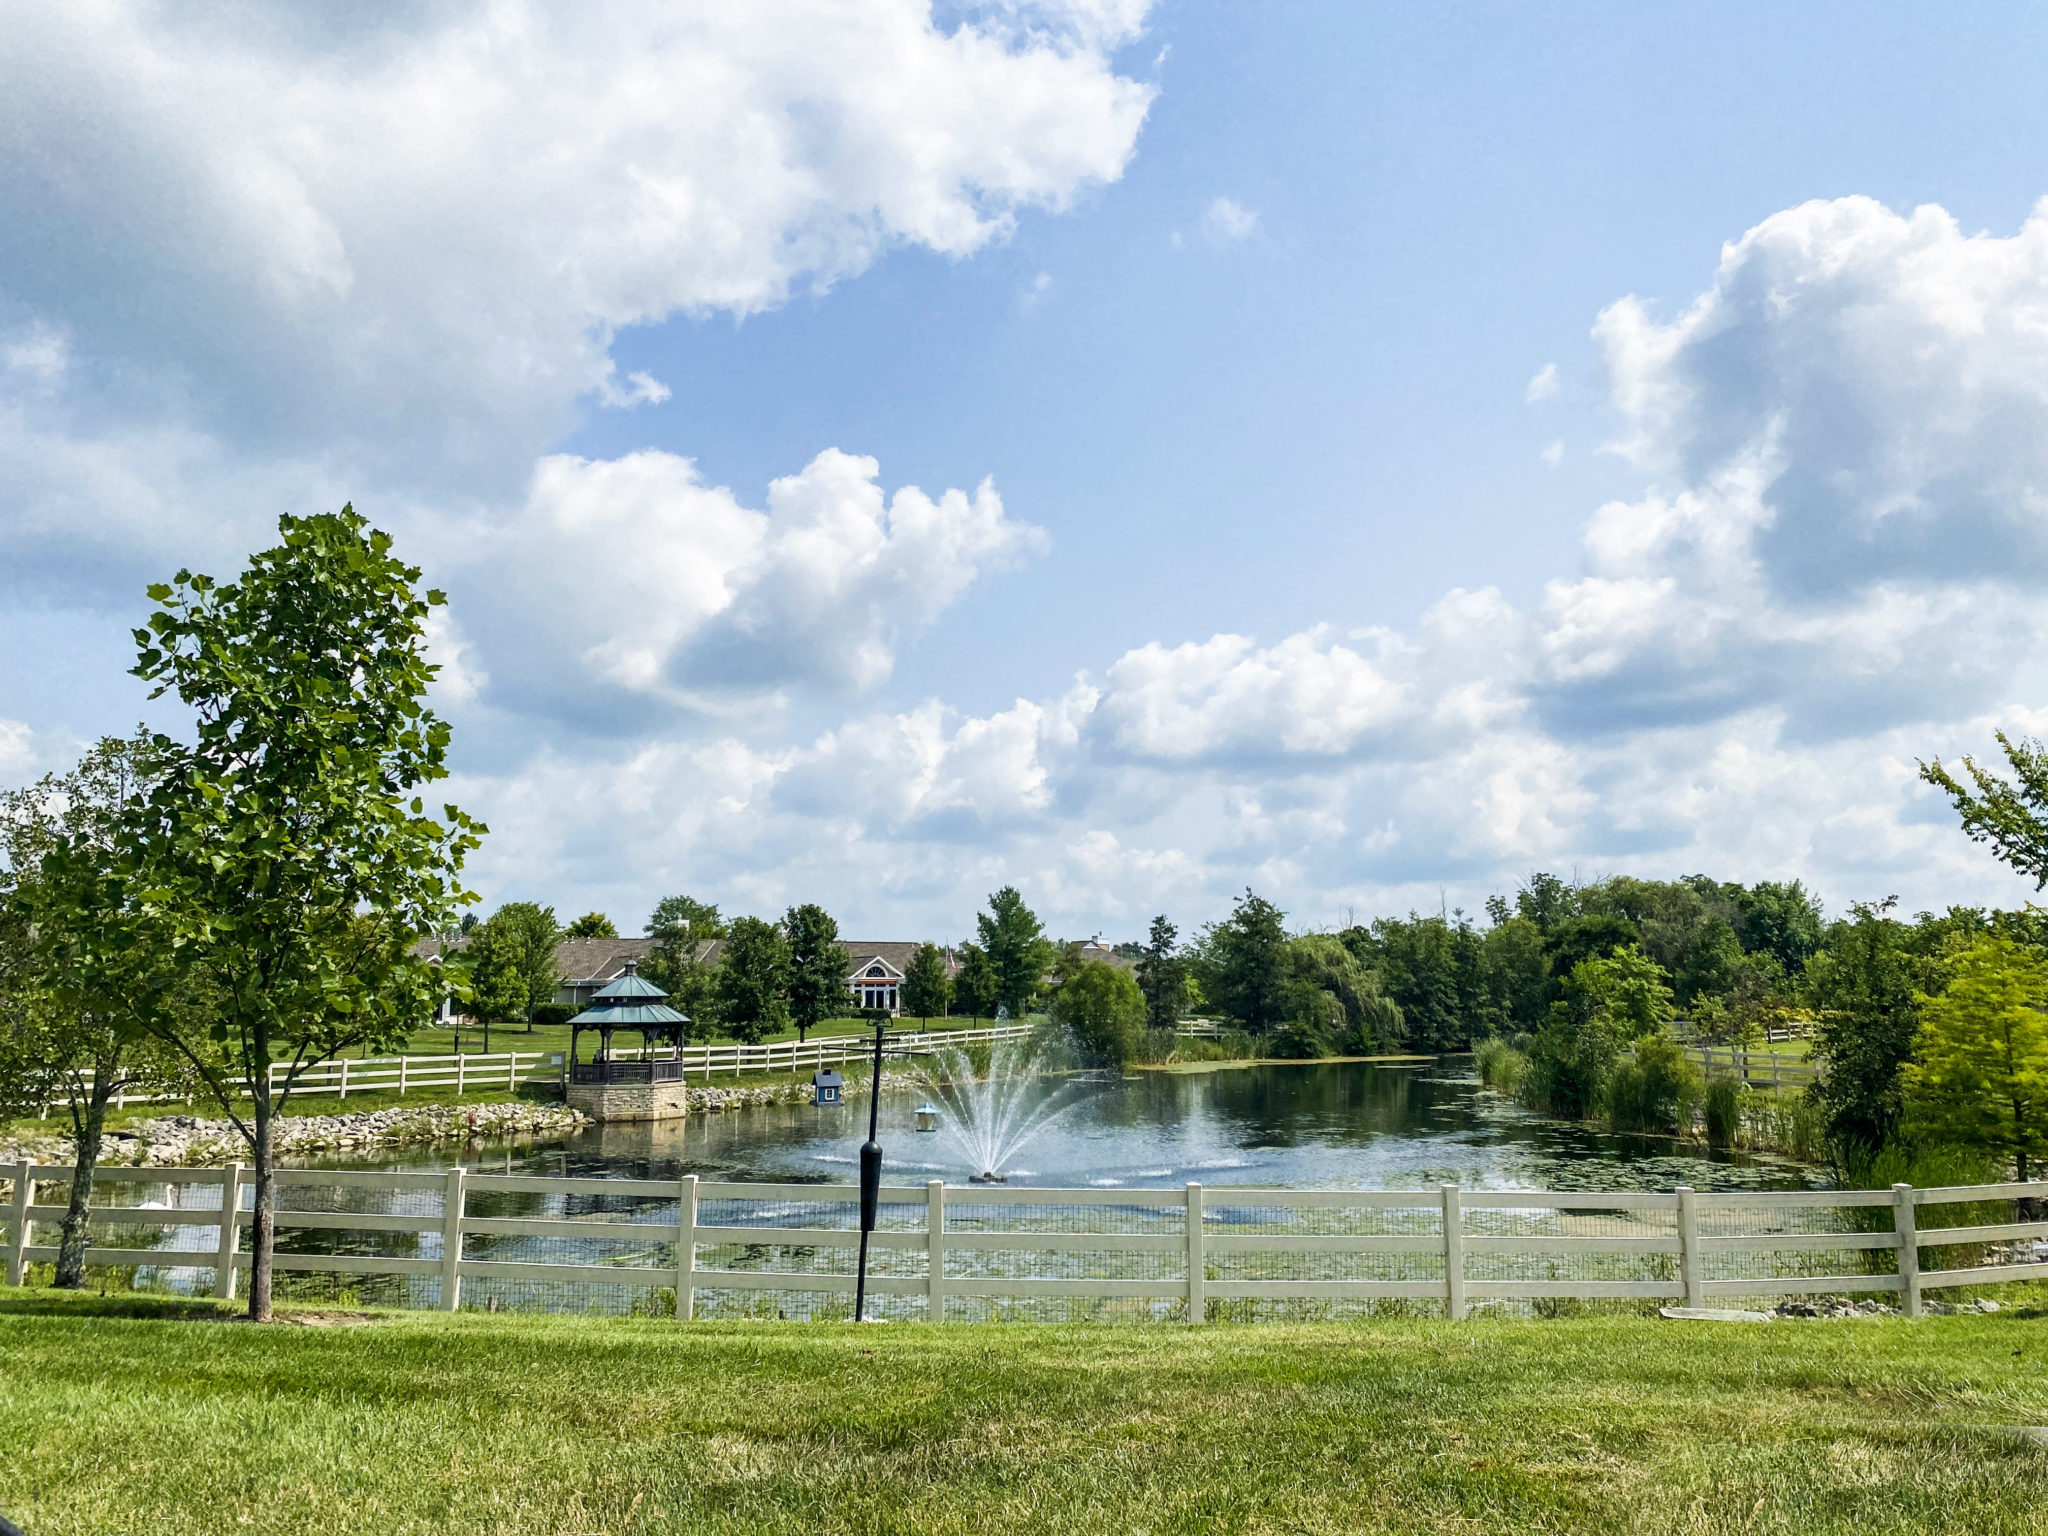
285	848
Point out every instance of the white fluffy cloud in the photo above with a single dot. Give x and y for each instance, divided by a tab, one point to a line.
633	576
1836	574
245	243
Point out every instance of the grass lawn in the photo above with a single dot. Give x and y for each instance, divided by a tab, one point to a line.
142	1415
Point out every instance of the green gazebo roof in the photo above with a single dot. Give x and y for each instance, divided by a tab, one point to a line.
628	1001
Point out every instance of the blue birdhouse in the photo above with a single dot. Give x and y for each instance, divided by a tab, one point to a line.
825	1086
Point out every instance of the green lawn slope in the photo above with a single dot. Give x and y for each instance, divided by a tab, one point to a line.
143	1415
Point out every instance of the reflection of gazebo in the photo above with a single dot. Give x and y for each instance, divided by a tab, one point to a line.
628	1002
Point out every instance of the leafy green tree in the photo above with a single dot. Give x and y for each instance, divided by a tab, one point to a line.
1242	964
677	917
1162	975
286	850
2010	816
1779	920
1434	968
817	968
1018	951
926	987
512	968
1609	1003
1864	990
591	925
753	970
1514	966
976	986
78	965
1979	1077
1103	1010
1546	901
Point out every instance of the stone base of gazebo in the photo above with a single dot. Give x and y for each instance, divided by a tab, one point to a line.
630	1101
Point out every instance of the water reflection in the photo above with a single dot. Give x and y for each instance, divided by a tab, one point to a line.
1333	1125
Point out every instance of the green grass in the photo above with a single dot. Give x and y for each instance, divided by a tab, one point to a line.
151	1416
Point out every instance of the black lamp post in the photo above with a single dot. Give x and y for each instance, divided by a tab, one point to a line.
871	1165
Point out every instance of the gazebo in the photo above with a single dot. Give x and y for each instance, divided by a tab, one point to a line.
628	1002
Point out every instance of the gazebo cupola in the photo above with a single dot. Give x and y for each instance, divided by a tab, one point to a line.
628	1001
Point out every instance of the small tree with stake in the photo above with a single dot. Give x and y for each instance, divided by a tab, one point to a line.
285	850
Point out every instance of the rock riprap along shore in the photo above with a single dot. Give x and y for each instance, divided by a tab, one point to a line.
191	1140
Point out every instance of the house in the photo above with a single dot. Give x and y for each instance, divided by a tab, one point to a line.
586	965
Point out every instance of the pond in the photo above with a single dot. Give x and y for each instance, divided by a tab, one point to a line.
1313	1124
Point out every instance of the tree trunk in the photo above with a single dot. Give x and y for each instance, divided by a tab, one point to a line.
263	1229
91	1127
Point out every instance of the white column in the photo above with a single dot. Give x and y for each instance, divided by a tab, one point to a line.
1906	1221
1454	1254
451	1241
17	1217
935	1251
230	1232
686	1249
1690	1266
1198	1264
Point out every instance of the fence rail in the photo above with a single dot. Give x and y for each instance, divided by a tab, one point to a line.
508	1069
1181	1252
1759	1069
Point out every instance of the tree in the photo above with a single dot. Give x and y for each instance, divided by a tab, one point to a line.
286	851
1359	1018
1241	963
1864	990
753	969
1979	1077
1103	1010
1162	975
1609	1002
976	986
678	917
512	968
926	989
1018	951
817	967
78	967
591	925
2012	817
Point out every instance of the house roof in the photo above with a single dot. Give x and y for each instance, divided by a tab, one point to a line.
586	960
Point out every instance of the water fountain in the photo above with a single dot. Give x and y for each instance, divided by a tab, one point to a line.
992	1116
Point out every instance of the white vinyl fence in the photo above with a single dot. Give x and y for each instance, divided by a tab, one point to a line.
508	1069
694	1247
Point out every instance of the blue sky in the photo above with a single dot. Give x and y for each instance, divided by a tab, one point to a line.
1243	312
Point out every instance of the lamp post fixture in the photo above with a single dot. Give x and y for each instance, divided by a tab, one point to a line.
871	1162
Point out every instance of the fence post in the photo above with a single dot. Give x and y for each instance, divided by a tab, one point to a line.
1690	1266
686	1249
511	1071
935	1251
1198	1266
1454	1255
1906	1222
401	1075
230	1232
344	1077
460	1062
17	1240
451	1241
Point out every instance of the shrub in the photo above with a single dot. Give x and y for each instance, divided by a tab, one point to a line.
1501	1066
553	1013
1724	1111
1656	1090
